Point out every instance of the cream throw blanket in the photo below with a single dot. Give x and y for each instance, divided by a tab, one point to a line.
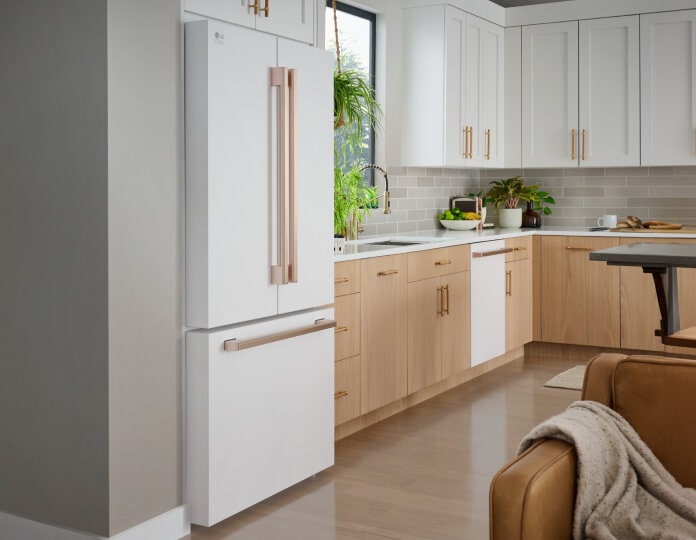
623	491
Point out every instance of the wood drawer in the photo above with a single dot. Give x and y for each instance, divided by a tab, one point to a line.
347	313
437	262
522	248
346	278
346	389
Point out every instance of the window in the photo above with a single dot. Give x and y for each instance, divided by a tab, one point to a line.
357	33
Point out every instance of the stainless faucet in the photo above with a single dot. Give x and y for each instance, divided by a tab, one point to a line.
387	202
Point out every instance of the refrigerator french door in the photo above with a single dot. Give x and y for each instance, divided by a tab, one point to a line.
259	183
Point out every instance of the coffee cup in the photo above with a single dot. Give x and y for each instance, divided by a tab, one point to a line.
607	220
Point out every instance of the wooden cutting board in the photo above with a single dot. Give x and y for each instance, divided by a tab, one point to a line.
687	229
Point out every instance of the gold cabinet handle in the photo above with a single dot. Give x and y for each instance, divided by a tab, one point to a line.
572	144
318	326
572	248
471	142
255	7
340	329
340	394
519	249
265	9
387	272
488	144
445	310
443	262
465	133
583	145
508	283
479	254
440	301
341	280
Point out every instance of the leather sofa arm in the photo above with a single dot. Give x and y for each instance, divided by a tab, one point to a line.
534	495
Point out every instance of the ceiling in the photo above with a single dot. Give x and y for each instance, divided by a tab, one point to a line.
514	3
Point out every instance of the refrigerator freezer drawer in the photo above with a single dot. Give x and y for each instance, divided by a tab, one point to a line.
261	418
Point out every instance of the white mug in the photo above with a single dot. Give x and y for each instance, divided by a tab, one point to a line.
607	220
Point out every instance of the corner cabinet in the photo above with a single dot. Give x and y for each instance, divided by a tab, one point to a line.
668	83
452	89
580	104
293	19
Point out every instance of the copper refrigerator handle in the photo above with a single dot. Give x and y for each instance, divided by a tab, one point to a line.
293	259
319	325
280	273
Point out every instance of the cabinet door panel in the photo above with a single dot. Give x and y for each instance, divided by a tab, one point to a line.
425	303
455	79
473	87
668	88
518	304
347	309
640	314
493	97
346	389
580	298
292	19
384	323
456	326
549	94
609	92
234	11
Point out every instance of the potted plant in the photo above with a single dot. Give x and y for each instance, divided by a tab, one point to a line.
508	193
353	199
536	202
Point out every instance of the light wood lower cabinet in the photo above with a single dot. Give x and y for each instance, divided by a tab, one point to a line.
347	331
579	298
438	329
384	322
346	389
518	303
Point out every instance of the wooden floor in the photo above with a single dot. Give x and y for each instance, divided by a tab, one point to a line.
422	474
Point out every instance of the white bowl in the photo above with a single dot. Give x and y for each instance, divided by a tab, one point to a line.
460	225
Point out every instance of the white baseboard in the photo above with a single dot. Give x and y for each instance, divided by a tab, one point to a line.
171	525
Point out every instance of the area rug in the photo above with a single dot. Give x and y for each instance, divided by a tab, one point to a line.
571	378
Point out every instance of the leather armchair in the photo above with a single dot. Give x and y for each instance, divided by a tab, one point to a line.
533	496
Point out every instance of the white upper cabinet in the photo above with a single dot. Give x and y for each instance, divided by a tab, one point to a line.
550	95
292	19
453	89
609	93
668	109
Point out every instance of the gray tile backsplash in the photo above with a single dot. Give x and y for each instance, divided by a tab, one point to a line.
661	193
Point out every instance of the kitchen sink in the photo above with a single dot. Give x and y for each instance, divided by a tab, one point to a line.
394	243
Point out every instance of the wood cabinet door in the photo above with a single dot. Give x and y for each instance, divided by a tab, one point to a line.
580	298
668	80
640	314
609	92
518	303
550	95
346	389
347	313
426	300
384	324
456	325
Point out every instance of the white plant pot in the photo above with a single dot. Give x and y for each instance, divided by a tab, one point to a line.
510	218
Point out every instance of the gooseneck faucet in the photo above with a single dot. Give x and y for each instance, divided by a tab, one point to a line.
387	202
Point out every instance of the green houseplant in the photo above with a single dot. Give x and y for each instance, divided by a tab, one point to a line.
509	192
356	111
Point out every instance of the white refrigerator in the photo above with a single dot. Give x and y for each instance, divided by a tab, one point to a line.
259	266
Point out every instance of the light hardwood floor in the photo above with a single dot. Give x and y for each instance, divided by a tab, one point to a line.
422	474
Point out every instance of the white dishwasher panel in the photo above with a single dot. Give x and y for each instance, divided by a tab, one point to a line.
487	301
259	419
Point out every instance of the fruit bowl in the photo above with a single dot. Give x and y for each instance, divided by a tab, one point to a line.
460	224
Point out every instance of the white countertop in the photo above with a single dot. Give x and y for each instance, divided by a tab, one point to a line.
438	238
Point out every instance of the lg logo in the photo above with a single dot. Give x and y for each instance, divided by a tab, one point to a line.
219	37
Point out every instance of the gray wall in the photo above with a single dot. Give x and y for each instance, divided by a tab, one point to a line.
144	260
53	262
90	284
